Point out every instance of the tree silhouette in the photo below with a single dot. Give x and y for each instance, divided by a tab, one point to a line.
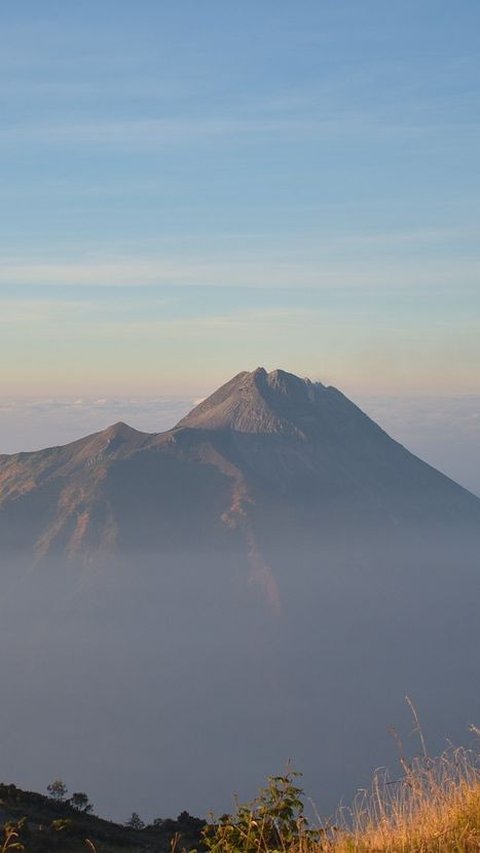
80	801
135	822
57	790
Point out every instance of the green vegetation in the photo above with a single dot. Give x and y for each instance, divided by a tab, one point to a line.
275	820
434	807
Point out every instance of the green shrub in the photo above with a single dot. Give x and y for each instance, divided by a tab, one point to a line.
273	821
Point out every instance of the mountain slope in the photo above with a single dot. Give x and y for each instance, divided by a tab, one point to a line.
288	433
264	451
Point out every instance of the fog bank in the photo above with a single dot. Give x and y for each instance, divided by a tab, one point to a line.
163	684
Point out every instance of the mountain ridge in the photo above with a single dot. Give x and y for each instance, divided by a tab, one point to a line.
264	450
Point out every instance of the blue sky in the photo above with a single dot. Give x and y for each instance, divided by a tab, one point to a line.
192	189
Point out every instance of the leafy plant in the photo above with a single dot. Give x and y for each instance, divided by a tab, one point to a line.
273	821
11	832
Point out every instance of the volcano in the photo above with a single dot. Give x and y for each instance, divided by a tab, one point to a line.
268	454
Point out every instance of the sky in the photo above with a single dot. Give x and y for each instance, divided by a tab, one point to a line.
190	189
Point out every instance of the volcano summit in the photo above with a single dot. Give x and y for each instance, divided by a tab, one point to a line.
266	451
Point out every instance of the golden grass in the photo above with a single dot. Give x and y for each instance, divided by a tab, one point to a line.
433	808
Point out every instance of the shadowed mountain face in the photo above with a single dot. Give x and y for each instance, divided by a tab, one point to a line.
264	451
265	581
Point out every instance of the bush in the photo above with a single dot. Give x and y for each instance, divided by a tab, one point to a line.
274	821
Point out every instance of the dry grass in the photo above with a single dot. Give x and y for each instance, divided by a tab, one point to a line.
433	808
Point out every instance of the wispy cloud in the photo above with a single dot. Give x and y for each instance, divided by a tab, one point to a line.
303	265
41	312
59	318
305	118
125	132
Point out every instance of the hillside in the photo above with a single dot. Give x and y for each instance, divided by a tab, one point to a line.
46	825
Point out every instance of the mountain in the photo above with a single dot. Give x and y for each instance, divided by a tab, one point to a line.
265	452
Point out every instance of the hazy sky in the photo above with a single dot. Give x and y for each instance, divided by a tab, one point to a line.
191	189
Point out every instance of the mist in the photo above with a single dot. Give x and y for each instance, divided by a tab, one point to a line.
158	683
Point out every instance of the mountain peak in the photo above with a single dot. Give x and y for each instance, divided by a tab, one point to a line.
258	402
120	430
272	441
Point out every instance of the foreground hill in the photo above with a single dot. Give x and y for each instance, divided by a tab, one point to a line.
45	825
264	451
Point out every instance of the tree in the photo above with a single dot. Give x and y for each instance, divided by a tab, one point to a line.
190	822
135	822
57	790
80	801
